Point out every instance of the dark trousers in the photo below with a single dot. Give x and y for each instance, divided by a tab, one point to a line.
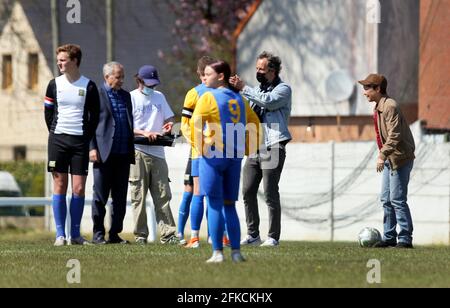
110	177
266	167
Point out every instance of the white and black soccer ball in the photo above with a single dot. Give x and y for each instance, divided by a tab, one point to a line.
369	237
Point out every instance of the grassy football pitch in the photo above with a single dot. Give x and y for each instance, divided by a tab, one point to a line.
28	259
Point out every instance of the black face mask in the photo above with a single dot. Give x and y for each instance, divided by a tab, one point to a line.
261	77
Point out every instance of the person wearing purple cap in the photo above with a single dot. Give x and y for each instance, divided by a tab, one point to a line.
395	160
152	117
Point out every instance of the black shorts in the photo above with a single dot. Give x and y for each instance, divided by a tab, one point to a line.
188	180
68	154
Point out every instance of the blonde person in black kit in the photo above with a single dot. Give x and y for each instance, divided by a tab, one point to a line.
71	115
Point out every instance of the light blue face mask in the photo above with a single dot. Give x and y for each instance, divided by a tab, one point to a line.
147	91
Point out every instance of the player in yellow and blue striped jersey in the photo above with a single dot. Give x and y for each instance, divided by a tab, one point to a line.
224	128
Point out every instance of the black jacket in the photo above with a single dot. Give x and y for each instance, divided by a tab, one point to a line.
103	138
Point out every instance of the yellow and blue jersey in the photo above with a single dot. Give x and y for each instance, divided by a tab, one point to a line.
224	126
190	102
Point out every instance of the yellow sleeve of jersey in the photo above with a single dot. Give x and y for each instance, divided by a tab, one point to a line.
205	124
190	101
254	136
199	118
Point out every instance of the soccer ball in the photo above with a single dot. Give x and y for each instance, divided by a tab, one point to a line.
368	237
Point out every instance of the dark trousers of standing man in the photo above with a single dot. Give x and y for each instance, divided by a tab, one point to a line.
266	167
110	177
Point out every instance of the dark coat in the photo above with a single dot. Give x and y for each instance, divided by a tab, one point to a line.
103	138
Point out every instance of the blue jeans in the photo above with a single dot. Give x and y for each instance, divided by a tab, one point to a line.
394	191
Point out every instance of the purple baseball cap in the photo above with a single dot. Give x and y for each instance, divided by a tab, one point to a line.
149	75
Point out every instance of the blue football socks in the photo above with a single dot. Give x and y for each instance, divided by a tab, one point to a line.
216	221
76	213
60	212
197	208
233	228
183	212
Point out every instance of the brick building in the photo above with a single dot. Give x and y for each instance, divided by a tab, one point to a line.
434	73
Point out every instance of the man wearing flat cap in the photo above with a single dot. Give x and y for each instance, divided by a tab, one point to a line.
395	160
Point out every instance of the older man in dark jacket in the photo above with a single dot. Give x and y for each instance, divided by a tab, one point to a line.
112	151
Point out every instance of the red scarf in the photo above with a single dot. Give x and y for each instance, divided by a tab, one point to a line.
375	122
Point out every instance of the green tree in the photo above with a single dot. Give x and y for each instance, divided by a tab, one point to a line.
30	176
202	27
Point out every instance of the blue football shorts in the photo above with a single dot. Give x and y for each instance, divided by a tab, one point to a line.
220	177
